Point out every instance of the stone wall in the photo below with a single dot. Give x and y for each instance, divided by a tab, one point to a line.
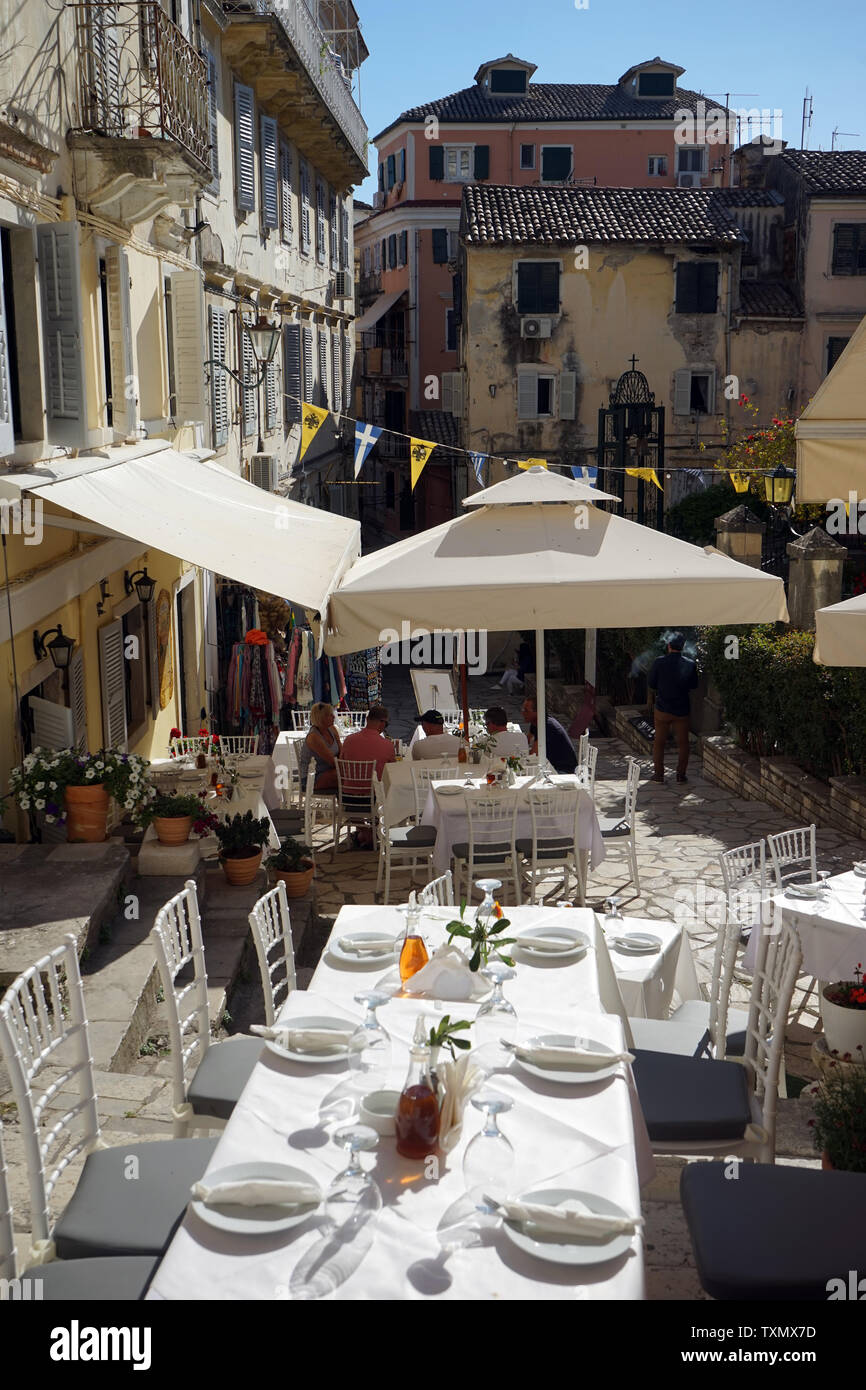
839	805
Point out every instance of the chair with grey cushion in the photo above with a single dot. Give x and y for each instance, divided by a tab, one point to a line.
207	1077
400	846
491	849
271	926
775	1233
554	843
621	829
129	1199
692	1105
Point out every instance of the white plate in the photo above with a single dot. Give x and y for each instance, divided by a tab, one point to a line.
808	891
579	943
361	958
449	790
568	1252
568	1076
338	1053
636	943
254	1221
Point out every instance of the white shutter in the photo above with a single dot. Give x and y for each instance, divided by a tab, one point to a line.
347	371
213	117
102	92
711	391
337	396
153	657
112	676
306	211
683	391
52	724
321	231
187	309
7	431
271	395
567	395
448	392
245	147
286	194
60	290
78	699
309	382
333	214
527	396
218	379
124	392
268	157
249	371
323	369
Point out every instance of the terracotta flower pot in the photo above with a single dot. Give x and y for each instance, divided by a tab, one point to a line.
172	830
86	814
297	884
240	872
844	1029
825	1161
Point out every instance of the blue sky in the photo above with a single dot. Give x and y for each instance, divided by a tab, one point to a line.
765	55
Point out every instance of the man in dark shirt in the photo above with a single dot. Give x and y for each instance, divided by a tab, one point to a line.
560	749
672	677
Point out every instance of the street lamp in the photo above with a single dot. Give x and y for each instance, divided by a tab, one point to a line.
779	486
142	582
60	650
264	338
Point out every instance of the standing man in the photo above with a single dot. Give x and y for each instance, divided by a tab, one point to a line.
560	749
671	678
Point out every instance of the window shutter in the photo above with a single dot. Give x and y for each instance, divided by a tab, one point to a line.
401	167
346	249
337	394
347	371
549	287
482	161
271	395
440	245
285	194
392	251
457	406
53	725
567	395
187	303
323	370
687	287
381	178
152	661
268	160
437	162
103	70
711	391
404	248
683	391
112	676
78	695
457	298
218	378
384	249
306	210
392	172
334	227
57	247
527	396
7	431
249	372
213	118
245	147
123	403
292	384
447	392
309	380
707	286
321	232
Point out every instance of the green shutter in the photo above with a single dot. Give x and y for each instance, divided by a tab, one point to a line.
437	162
440	245
482	161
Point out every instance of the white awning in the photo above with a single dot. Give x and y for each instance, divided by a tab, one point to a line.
203	514
377	310
840	633
831	432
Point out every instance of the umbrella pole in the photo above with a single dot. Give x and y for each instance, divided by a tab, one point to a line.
540	701
464	697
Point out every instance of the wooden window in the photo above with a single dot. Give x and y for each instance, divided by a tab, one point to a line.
459	164
269	172
124	393
57	249
697	287
694	391
849	248
440	245
437	162
187	333
536	396
537	287
527	156
285	194
510	81
481	162
292	382
655	84
835	348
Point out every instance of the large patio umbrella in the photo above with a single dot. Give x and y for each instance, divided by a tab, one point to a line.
535	551
840	633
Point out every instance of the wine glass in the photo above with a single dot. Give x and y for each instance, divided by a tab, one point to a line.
611	907
495	1021
823	875
489	1164
488	887
370	1044
353	1198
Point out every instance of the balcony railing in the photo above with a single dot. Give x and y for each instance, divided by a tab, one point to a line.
137	75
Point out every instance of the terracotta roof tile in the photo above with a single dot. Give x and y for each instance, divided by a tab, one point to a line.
498	214
829	171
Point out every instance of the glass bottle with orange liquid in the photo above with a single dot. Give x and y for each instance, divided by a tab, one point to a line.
413	953
417	1118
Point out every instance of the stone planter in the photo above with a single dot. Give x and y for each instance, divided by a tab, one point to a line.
241	872
297	884
172	830
844	1029
86	814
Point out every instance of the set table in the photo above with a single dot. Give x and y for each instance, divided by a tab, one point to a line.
589	1137
832	928
247	795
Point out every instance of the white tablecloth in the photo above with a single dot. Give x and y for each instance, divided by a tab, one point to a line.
590	1138
647	983
448	816
246	796
832	931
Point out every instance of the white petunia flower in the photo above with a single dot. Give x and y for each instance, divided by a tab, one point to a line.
25	803
40	804
89	774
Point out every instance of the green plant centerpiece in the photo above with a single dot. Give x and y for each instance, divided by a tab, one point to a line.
291	858
242	836
39	784
443	1035
180	806
839	1126
483	935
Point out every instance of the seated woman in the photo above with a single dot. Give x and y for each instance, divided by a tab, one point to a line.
321	744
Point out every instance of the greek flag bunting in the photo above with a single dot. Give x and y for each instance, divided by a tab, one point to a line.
365	438
585	474
478	462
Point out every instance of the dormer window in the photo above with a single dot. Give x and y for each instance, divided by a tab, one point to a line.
655	84
508	81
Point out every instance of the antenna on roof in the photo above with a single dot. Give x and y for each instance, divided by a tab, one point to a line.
848	134
807	119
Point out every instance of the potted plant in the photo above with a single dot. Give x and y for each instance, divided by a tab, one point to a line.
843	1011
76	788
242	839
173	816
839	1125
482	746
482	936
293	863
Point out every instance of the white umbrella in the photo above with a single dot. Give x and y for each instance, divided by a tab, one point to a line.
840	633
535	551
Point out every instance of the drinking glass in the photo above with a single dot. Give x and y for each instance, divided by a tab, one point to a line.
495	1021
488	887
611	907
823	875
489	1164
370	1045
353	1198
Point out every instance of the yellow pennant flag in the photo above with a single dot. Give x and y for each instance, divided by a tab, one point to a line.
312	420
419	452
739	480
532	463
648	475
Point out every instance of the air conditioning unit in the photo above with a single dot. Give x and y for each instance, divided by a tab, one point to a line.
536	328
688	180
378	200
749	272
264	471
342	285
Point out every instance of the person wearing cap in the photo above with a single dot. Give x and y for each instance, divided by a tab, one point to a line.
435	743
508	743
672	677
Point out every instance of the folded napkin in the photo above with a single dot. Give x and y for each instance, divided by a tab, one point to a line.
258	1192
545	943
376	944
572	1218
570	1056
447	976
304	1039
457	1080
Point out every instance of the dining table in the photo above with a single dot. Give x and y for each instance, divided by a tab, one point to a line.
426	1243
831	926
246	795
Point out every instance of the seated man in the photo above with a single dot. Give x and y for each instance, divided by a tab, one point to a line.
560	749
369	744
507	744
436	743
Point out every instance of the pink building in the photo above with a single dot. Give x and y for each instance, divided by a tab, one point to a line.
642	131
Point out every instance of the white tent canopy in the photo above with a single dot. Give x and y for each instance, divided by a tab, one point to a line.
831	432
840	633
203	514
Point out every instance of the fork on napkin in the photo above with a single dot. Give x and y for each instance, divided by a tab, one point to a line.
258	1192
566	1056
375	945
303	1039
572	1218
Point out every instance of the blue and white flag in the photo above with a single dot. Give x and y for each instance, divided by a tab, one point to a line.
584	474
365	438
478	462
